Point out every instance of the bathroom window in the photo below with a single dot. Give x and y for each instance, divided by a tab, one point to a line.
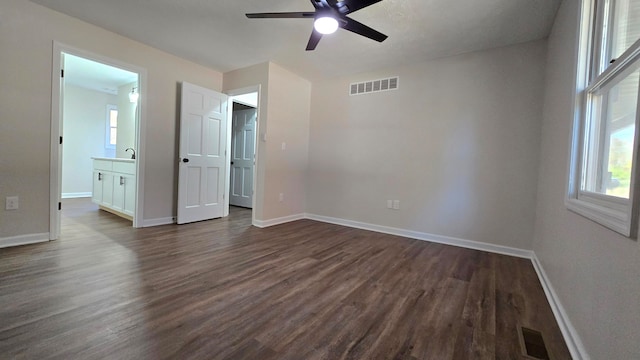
112	127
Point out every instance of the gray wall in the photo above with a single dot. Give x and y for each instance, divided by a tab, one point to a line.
126	122
85	116
595	272
457	144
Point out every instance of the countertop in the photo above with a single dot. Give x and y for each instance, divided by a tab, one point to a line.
114	159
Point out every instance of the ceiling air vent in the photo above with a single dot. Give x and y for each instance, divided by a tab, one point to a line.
366	87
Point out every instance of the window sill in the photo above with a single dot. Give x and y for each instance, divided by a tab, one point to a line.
616	220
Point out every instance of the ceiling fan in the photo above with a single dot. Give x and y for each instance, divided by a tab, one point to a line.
328	16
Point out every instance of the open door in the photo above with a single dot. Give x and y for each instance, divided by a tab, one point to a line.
203	129
242	157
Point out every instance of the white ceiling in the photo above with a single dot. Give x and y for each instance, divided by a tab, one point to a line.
94	75
216	33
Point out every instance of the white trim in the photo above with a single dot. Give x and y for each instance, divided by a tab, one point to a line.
469	244
278	221
55	152
571	337
76	195
158	222
23	239
601	214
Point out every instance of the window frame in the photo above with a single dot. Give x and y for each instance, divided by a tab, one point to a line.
107	137
618	214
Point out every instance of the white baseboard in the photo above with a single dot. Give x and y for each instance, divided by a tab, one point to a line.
470	244
571	337
278	221
76	195
23	239
158	222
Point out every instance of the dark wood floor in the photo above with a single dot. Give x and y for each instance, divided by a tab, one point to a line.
225	290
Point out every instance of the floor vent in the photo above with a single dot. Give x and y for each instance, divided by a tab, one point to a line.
532	344
371	86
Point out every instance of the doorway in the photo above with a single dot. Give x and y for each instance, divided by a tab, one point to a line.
97	116
243	125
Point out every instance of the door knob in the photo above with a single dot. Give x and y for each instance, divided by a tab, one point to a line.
232	163
185	160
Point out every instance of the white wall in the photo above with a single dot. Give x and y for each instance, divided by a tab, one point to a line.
457	144
85	116
250	99
126	137
595	272
27	33
283	118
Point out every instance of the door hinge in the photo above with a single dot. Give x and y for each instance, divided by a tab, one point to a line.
59	205
61	72
60	140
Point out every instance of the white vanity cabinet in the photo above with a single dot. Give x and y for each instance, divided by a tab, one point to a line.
114	186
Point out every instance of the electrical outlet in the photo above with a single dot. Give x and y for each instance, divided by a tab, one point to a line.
284	146
12	203
389	204
281	197
396	204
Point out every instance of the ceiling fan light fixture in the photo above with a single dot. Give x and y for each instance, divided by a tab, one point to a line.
326	25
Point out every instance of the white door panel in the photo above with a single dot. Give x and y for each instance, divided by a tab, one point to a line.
202	158
242	157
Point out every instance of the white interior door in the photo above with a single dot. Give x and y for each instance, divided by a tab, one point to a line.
203	129
242	157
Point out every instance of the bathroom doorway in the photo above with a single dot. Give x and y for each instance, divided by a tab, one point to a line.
98	153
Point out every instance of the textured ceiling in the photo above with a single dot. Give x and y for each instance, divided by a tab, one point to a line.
216	33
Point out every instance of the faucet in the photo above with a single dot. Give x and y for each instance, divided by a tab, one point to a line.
133	155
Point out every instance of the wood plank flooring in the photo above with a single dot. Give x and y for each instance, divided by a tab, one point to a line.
222	289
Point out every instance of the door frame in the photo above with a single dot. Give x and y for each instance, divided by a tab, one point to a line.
232	94
57	96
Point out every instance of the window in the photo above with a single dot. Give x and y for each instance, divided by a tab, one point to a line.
112	127
602	182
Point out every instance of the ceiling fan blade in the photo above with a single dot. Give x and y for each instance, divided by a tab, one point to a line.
282	15
362	29
314	40
355	5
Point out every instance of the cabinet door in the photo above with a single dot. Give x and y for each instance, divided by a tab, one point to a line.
118	192
107	189
96	196
129	194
